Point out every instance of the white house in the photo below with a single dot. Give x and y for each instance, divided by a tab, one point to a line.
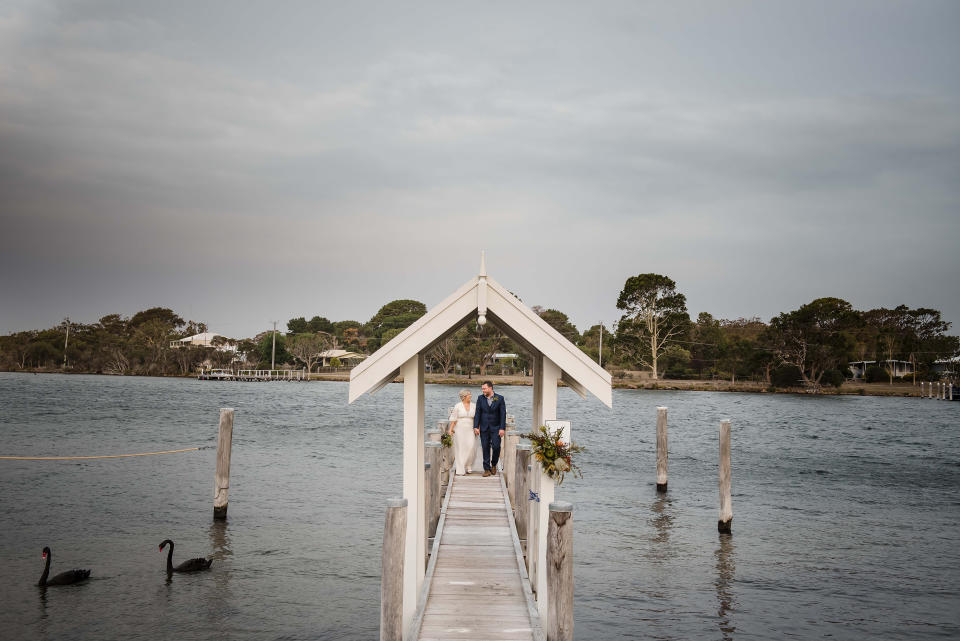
203	340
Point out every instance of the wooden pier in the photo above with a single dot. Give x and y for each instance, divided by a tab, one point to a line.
476	586
476	544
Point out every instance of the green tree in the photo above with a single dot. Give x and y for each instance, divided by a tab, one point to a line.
265	344
560	322
817	337
297	326
590	342
398	314
654	315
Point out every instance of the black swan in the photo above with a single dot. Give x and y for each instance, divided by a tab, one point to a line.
64	578
191	565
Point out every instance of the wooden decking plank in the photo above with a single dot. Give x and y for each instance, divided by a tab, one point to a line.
476	590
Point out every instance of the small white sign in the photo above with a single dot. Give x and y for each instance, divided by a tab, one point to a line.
567	433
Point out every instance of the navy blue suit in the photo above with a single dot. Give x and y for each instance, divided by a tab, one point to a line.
490	419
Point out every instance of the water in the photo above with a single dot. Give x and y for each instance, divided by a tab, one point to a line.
845	512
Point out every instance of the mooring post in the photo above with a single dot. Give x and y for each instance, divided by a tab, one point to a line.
931	389
391	578
221	483
951	390
661	449
521	509
560	572
432	481
512	439
726	508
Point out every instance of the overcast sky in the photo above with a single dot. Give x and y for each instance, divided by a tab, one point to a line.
249	162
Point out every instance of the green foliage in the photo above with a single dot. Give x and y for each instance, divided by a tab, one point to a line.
876	374
555	456
335	362
833	377
395	315
446	440
265	347
816	337
561	322
655	315
786	376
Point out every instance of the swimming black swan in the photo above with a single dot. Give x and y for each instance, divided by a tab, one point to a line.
64	578
191	565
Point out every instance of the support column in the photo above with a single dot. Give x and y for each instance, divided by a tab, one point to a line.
548	411
415	548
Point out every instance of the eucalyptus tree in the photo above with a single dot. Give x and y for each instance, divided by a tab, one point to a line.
655	316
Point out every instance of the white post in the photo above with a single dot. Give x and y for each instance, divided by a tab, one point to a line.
661	449
723	479
391	574
951	390
548	407
533	479
931	390
559	622
221	489
413	485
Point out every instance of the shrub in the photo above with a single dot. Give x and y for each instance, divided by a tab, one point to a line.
832	377
335	362
876	374
786	376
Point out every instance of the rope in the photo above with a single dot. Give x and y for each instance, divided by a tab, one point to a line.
76	458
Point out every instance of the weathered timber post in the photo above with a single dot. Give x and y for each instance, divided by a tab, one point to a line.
512	439
661	449
726	509
391	578
521	484
221	483
434	436
432	481
951	390
931	390
560	572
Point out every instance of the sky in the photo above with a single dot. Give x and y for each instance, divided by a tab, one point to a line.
248	162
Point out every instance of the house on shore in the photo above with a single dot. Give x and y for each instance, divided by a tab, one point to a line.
900	368
206	339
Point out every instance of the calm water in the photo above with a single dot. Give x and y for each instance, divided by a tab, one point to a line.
845	512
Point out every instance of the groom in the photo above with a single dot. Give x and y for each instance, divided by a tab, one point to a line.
489	422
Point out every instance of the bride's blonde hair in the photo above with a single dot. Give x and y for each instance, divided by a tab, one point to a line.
464	392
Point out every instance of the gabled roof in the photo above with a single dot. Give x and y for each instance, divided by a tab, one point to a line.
482	298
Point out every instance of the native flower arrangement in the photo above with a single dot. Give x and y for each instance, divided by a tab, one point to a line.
446	440
555	456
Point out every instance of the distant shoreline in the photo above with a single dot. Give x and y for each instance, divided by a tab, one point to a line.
751	387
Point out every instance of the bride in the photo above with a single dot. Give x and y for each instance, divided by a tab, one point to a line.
464	440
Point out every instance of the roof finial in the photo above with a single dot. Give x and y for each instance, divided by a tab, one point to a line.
483	263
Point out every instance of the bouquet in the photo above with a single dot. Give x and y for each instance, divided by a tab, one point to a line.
555	456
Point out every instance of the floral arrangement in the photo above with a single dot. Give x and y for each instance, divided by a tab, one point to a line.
446	440
555	456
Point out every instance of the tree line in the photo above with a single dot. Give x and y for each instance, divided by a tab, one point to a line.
809	346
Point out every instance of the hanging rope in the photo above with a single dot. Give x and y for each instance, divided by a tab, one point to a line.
78	458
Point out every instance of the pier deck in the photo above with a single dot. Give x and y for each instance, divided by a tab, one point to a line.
478	587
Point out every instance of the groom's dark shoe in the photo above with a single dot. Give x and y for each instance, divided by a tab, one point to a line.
486	473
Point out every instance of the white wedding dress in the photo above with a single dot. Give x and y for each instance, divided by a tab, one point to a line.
464	440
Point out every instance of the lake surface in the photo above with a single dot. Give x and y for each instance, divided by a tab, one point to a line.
846	512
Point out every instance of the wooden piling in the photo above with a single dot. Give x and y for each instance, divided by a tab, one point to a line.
221	483
931	390
521	484
560	572
432	486
511	440
391	581
661	449
726	508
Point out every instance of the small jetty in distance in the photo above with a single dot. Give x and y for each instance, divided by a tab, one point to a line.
221	374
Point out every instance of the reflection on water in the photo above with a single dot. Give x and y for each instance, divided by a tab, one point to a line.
220	540
726	568
662	519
